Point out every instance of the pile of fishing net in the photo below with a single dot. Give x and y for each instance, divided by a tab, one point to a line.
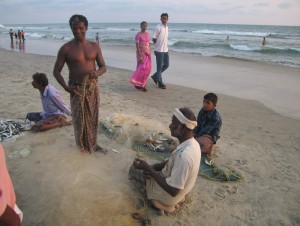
148	139
144	136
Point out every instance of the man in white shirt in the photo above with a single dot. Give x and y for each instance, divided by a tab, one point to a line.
160	38
170	181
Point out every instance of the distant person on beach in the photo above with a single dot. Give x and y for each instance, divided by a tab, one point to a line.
16	36
80	55
166	184
97	38
209	124
264	41
10	214
55	110
160	39
227	38
11	34
143	57
19	35
22	47
23	35
12	46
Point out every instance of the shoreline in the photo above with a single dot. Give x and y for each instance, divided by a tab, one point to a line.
275	86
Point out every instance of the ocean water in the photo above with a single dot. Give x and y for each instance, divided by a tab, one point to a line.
283	42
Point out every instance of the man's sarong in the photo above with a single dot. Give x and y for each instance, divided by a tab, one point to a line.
85	111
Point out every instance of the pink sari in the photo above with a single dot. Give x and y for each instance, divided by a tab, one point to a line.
139	77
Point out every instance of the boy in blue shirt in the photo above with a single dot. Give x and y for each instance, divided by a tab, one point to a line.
209	124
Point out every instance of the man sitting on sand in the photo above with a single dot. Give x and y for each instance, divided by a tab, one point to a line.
209	124
55	110
166	184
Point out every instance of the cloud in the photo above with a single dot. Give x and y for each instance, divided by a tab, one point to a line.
285	5
212	11
261	4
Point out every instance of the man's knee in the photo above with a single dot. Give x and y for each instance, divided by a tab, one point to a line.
50	123
33	116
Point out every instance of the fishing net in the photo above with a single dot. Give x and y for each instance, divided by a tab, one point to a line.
155	143
210	170
144	136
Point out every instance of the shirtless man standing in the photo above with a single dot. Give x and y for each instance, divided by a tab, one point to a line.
80	55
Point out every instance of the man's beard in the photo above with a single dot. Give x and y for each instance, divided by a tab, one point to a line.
176	133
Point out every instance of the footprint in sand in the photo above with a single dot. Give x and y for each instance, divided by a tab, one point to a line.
226	190
17	81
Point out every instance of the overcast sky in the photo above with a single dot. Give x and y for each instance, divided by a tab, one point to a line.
268	12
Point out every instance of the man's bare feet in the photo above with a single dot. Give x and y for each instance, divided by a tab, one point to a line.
167	209
182	200
100	149
82	151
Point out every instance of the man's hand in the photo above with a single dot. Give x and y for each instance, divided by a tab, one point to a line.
141	61
73	91
141	164
92	75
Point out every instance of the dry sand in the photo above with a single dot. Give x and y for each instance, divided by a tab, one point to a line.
56	185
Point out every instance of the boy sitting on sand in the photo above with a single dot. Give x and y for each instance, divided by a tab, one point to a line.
55	110
209	124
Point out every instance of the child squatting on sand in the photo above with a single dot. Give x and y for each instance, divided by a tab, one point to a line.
209	123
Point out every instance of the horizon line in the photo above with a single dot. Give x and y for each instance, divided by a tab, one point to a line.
168	23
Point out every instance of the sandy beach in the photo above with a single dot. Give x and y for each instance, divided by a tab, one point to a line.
56	185
275	86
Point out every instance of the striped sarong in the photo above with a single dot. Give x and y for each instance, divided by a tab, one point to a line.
85	110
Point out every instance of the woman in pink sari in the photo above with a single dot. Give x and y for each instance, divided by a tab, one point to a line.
143	56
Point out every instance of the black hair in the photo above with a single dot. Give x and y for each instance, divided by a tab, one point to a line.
78	18
41	79
143	22
211	97
164	14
